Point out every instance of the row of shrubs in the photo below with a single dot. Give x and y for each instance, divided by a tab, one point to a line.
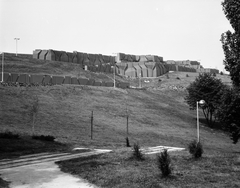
164	160
10	135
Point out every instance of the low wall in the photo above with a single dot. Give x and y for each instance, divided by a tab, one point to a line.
34	79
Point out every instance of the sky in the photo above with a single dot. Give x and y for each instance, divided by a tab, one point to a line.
172	29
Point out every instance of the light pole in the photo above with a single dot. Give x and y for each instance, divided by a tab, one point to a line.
2	64
140	83
16	44
114	73
201	102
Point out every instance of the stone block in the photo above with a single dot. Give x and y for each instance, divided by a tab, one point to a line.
75	59
97	83
144	69
91	82
64	57
74	80
86	60
6	77
138	70
50	55
131	71
150	67
57	55
36	79
14	77
43	54
123	85
36	53
47	80
24	79
83	81
67	80
70	56
109	84
80	58
57	80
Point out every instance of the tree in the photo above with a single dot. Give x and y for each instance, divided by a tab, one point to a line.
229	112
208	88
231	40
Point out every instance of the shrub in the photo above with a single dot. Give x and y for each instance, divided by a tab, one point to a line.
195	149
44	138
187	75
167	76
221	73
178	78
137	153
9	135
164	163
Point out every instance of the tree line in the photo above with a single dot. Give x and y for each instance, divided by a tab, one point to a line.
222	102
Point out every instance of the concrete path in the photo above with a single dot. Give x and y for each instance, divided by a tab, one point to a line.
158	149
40	171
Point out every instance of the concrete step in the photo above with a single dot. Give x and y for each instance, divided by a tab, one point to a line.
41	158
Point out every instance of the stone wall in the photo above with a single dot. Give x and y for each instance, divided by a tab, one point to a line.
35	79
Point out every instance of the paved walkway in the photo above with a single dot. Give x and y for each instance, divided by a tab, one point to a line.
40	171
158	149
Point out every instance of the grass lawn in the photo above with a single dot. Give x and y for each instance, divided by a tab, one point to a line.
117	169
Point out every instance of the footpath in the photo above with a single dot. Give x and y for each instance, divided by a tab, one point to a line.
40	171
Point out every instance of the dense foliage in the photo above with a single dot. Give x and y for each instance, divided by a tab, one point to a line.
231	40
195	149
229	112
208	88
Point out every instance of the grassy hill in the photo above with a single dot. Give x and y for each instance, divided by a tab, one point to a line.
158	114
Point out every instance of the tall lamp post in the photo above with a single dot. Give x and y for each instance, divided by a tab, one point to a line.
16	45
201	102
2	64
114	72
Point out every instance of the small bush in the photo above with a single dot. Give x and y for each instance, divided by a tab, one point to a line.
195	149
164	163
9	135
178	78
167	76
187	75
44	138
137	153
221	73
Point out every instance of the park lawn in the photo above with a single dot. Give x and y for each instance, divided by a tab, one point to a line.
117	169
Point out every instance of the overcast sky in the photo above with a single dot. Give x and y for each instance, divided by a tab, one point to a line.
173	29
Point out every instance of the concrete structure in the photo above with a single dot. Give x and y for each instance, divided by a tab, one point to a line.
126	64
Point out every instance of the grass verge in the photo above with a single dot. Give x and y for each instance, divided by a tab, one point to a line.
11	148
117	169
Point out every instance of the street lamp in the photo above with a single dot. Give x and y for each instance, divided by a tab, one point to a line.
114	73
16	44
2	64
201	102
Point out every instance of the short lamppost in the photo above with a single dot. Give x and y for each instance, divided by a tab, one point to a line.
16	45
201	102
2	64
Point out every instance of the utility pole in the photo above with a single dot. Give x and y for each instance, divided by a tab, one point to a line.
16	45
92	126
